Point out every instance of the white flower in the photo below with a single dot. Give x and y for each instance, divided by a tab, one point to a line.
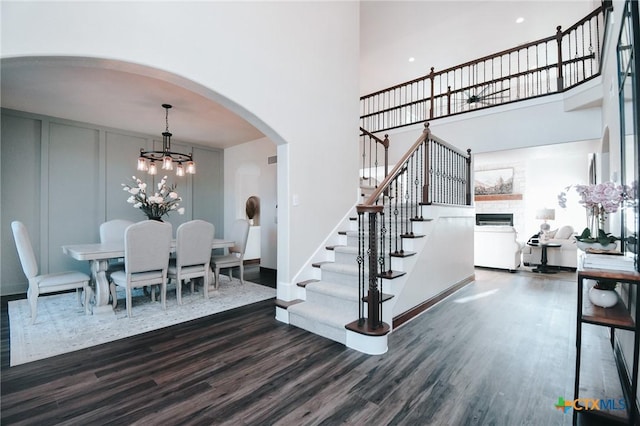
181	210
162	202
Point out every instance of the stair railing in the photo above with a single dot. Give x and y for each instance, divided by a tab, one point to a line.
431	171
539	68
371	147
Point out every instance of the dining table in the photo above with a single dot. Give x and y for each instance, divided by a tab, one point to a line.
99	254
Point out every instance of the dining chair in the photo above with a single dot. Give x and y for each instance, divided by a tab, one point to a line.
235	257
146	260
193	255
113	231
46	283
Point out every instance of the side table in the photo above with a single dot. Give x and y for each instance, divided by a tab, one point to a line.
543	268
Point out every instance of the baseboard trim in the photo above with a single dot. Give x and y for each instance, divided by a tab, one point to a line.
417	310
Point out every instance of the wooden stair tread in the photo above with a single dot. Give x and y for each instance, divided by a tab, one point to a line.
286	303
404	253
333	247
366	330
319	264
411	235
390	275
384	297
304	283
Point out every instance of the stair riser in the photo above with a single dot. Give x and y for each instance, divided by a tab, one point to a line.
332	302
341	278
316	327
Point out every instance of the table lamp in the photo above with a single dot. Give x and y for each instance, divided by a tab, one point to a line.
545	214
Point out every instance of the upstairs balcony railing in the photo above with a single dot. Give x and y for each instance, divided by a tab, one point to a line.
547	66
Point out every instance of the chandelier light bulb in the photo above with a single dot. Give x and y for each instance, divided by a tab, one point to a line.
179	170
153	169
142	164
167	164
191	167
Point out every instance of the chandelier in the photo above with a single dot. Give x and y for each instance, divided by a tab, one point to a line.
183	162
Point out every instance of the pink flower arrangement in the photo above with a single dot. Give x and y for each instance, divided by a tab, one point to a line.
599	200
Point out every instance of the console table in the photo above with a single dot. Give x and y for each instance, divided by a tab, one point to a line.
617	317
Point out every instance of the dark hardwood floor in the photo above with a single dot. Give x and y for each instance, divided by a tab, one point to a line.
498	352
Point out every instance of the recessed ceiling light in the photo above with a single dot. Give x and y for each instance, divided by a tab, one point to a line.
411	59
520	20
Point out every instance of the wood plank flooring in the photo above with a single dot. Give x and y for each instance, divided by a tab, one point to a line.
498	352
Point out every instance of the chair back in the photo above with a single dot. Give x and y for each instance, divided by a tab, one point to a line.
25	250
193	243
239	234
113	230
146	246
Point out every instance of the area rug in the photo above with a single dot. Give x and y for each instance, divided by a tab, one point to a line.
61	325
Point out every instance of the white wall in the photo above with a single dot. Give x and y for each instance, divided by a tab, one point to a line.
290	69
247	173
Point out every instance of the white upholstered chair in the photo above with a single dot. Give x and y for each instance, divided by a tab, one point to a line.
48	283
113	231
193	255
239	235
146	259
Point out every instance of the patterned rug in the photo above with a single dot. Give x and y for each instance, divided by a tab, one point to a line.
61	325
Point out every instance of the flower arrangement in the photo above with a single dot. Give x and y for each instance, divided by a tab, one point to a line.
598	200
157	205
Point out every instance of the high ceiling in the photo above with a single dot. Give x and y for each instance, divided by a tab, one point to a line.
436	33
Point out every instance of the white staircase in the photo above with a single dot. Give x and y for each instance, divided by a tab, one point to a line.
329	301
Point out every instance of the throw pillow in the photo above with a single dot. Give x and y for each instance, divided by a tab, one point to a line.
551	234
564	233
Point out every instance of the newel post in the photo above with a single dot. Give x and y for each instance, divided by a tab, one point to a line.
373	296
432	100
469	193
559	41
427	164
385	143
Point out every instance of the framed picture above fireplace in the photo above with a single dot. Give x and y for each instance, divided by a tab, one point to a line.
494	185
493	182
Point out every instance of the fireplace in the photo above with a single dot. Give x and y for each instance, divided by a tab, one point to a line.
484	219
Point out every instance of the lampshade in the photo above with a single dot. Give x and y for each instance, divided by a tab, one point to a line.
546	214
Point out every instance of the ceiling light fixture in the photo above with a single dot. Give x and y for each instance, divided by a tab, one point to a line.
147	159
520	20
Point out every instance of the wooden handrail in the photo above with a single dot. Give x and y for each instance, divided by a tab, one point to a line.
384	142
398	167
525	46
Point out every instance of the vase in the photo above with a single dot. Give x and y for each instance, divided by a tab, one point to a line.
584	246
603	298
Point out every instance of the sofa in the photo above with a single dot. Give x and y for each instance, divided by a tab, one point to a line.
496	246
565	256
